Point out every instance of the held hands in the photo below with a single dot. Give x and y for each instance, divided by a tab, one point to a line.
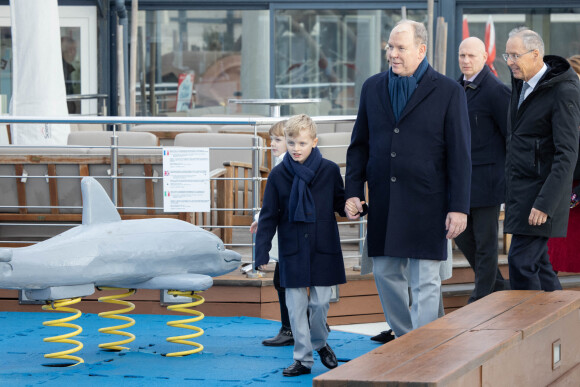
353	208
537	217
455	224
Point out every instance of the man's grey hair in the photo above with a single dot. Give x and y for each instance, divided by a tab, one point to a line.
419	30
531	39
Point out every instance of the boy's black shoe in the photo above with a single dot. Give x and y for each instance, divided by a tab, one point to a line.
384	336
284	337
327	357
296	369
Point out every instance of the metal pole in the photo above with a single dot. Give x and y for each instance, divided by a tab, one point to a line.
275	110
430	40
361	235
255	196
121	71
114	163
133	59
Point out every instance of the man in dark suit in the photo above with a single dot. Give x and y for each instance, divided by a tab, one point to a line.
487	102
411	144
542	147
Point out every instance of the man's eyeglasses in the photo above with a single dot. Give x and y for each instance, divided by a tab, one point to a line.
514	57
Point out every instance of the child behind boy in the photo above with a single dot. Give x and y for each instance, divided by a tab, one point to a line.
284	336
302	195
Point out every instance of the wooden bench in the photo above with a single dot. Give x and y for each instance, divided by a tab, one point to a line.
504	339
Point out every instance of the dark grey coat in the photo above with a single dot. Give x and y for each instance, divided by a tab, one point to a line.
542	148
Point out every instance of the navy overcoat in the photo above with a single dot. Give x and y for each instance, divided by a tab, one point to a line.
418	169
309	253
488	100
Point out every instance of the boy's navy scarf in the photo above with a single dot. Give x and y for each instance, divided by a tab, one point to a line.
301	206
401	88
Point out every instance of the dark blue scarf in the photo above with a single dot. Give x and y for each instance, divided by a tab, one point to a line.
301	206
401	88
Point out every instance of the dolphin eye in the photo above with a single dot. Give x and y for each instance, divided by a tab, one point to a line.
220	247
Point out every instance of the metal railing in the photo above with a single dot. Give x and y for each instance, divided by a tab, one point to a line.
114	175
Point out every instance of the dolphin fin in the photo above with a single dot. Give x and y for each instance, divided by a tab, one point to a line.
97	206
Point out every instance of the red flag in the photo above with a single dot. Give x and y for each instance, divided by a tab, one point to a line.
465	29
490	44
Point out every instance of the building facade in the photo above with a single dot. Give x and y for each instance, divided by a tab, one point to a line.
209	52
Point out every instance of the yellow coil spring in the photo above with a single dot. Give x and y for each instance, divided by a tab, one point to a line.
113	299
183	323
61	306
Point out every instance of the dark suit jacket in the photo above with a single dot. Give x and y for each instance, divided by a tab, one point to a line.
488	100
309	253
418	169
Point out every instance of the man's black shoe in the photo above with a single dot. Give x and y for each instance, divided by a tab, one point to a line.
327	357
284	337
296	369
384	336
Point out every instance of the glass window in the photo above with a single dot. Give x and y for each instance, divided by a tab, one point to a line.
203	46
71	64
78	29
328	54
5	68
559	28
324	54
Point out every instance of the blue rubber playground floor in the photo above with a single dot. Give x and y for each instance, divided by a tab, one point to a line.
232	355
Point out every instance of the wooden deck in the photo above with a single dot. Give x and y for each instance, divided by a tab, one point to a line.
236	295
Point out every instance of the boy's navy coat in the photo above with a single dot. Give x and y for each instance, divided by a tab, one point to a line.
418	169
309	253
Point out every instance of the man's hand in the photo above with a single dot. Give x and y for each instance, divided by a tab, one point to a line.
537	217
455	224
254	227
353	208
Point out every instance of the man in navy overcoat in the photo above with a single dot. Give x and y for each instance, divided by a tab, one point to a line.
411	145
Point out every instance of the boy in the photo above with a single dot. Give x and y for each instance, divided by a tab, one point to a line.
284	336
301	197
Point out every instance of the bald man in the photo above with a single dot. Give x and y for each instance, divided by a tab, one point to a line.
487	103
